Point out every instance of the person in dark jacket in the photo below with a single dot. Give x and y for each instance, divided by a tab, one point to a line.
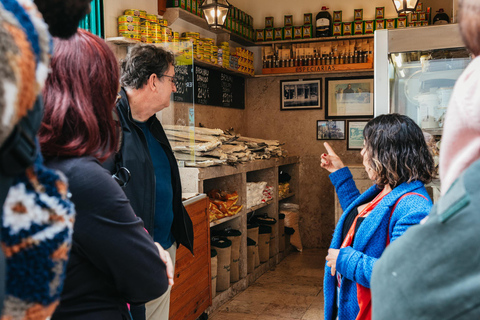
109	243
154	190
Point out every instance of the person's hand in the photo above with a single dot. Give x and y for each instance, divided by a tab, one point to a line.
165	256
331	161
332	259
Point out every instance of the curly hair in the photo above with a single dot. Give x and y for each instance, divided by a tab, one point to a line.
141	62
397	150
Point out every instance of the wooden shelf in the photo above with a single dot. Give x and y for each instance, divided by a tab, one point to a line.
288	195
223	220
320	69
205	64
174	14
121	41
434	131
254	208
359	36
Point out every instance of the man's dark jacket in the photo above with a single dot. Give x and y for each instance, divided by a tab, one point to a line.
140	190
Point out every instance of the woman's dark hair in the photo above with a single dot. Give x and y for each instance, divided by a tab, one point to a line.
79	98
141	62
397	150
469	24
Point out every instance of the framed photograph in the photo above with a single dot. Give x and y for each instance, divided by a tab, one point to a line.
300	94
331	130
349	97
355	134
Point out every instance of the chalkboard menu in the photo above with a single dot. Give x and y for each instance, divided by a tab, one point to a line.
210	87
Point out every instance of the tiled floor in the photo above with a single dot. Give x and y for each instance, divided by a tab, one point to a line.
292	291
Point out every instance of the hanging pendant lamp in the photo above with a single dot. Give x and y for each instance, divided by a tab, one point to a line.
215	12
405	5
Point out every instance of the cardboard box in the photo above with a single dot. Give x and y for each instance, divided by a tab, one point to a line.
194	7
287	33
268	22
278	34
422	16
288	20
379	13
369	26
419	7
379	24
189	5
337	29
391	23
424	23
259	34
414	17
337	16
307	31
297	32
358	27
269	34
401	22
347	28
357	14
307	18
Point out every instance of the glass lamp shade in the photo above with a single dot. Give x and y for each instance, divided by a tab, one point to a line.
405	5
215	12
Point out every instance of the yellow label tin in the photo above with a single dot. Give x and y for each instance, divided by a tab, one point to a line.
135	12
129	19
128	28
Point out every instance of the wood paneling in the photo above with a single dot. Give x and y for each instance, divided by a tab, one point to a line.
192	293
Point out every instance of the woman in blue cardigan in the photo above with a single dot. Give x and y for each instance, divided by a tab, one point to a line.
397	159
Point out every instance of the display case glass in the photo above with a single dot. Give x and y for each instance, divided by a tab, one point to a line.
417	70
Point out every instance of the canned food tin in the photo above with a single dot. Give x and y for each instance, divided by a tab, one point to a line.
152	18
129	19
128	28
207	40
146	39
136	12
176	36
130	35
163	22
195	35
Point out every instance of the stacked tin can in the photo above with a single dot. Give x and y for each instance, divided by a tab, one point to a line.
224	55
206	47
129	27
245	60
239	22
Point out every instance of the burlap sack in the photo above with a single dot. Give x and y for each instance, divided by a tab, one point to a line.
281	229
291	220
235	257
214	271
251	244
252	233
224	254
264	242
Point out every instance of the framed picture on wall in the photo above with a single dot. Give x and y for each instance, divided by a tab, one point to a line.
355	134
300	94
330	130
349	97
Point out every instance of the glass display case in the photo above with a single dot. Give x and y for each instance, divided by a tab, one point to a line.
415	71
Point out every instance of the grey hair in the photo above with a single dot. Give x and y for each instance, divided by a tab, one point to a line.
141	62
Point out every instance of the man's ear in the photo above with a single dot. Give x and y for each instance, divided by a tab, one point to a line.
151	82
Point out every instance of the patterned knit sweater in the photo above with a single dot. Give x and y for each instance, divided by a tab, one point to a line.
37	231
356	264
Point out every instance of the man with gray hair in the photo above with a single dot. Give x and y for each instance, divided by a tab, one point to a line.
154	190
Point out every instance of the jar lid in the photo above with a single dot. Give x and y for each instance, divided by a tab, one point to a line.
251	242
263	229
221	242
226	233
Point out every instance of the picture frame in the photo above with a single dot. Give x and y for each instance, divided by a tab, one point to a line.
300	94
330	129
355	134
350	97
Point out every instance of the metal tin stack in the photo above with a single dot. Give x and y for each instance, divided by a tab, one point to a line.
129	27
224	55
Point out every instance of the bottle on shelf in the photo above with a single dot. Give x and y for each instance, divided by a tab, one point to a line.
323	23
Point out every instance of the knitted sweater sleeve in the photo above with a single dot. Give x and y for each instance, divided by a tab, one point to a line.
358	266
345	187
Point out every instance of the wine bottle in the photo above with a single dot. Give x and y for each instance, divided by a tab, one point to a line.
323	23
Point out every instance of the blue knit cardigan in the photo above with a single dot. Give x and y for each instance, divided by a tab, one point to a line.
356	264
